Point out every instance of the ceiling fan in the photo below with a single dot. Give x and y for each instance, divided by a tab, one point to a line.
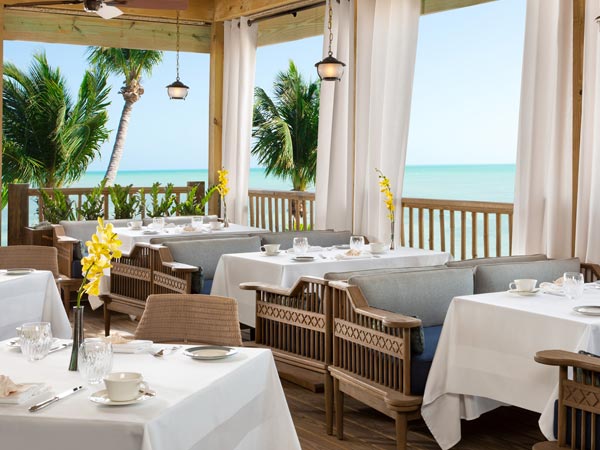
108	9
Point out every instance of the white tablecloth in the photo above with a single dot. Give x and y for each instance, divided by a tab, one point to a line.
31	298
282	270
485	357
130	237
236	403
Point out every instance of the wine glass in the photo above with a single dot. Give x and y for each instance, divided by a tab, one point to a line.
300	245
573	285
357	242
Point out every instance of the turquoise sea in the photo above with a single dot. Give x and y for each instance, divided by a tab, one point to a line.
451	182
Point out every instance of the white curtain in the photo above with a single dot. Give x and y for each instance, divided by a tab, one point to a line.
238	99
587	244
386	52
543	193
333	193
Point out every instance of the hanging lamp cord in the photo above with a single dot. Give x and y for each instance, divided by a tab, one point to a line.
329	25
177	47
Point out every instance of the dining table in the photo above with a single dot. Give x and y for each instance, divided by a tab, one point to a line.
129	237
31	296
233	403
485	356
284	269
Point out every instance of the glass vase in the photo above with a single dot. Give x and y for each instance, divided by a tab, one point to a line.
225	220
392	244
77	336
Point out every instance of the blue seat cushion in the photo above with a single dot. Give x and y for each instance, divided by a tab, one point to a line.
420	364
588	428
76	269
206	287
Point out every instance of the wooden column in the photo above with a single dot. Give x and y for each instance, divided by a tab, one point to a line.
1	90
18	212
215	113
578	34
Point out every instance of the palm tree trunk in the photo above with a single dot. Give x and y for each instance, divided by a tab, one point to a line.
117	152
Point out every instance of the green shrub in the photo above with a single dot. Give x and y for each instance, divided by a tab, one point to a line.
93	206
192	206
161	204
56	207
125	204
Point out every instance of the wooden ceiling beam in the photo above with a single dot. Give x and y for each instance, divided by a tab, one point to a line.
120	33
306	24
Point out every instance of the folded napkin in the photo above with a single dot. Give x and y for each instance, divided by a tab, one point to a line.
346	257
552	288
13	393
135	346
118	338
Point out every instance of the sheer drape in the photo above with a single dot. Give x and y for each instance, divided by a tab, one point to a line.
386	51
238	99
543	193
587	244
333	193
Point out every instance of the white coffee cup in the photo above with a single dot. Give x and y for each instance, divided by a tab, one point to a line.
378	247
215	225
270	249
523	285
124	386
135	224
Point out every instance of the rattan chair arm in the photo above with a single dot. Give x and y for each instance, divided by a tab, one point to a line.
566	358
280	290
389	319
595	268
67	240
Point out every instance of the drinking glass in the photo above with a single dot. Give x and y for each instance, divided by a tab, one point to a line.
95	360
300	245
573	285
357	242
35	339
197	222
158	223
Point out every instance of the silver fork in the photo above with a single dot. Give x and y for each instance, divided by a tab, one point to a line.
161	352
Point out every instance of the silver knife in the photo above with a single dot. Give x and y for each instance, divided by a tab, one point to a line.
56	398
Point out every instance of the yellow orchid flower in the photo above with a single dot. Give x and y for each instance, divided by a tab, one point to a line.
384	184
103	247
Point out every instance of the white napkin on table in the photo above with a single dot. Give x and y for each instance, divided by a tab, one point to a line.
13	393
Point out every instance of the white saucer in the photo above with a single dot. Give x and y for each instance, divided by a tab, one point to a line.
588	310
270	254
101	397
304	258
150	232
524	293
18	271
210	352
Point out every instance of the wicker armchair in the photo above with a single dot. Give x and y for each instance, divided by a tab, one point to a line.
148	269
39	257
371	359
578	400
295	324
193	318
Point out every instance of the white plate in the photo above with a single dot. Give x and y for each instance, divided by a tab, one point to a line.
304	258
150	232
524	293
18	271
379	253
101	397
588	310
210	352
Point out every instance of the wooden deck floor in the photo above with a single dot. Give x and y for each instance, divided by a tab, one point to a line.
506	428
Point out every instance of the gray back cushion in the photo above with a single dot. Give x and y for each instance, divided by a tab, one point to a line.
496	277
496	260
205	253
425	294
323	238
195	237
343	276
84	229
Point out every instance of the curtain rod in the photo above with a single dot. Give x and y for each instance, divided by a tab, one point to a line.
292	12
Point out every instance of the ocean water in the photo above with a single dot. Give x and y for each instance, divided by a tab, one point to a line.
455	182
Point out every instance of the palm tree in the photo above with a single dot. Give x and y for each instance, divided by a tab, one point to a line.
49	139
285	128
131	64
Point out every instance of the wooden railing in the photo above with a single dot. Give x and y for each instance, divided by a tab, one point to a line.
21	199
454	226
281	210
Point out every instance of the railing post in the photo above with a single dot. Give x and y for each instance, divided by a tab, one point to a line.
18	212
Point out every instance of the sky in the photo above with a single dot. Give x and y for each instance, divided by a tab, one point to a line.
465	101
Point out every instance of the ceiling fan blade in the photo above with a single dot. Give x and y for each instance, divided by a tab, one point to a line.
108	12
152	4
50	3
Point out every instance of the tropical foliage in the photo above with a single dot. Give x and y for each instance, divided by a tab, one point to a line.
126	205
161	204
132	65
285	128
93	205
56	207
49	138
192	206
